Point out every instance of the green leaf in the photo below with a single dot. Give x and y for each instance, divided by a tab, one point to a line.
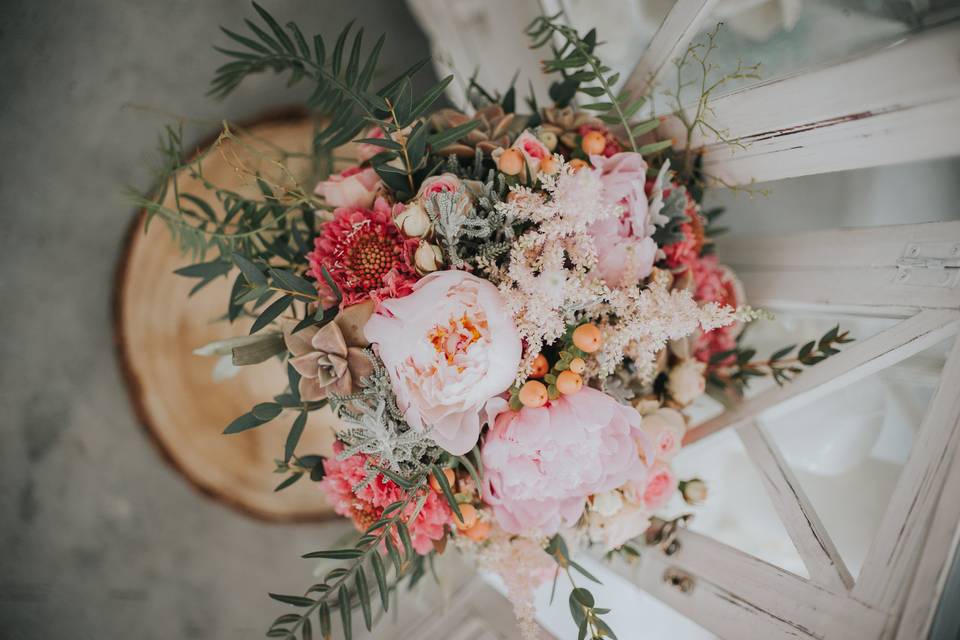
431	96
292	282
655	147
293	437
584	572
306	630
644	127
281	36
289	480
266	411
782	352
260	351
363	593
335	554
598	106
205	270
244	422
393	553
323	613
345	613
405	539
270	314
447	492
381	575
250	271
447	136
297	601
583	597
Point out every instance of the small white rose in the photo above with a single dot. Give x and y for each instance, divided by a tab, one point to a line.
607	504
413	221
686	382
428	258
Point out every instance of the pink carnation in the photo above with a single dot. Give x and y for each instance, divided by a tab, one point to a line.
625	250
365	253
714	282
366	506
541	464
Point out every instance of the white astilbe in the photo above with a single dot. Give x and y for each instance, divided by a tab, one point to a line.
646	320
548	280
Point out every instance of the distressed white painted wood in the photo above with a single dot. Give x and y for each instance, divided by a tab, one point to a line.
855	362
679	27
736	595
898	104
891	560
936	559
810	537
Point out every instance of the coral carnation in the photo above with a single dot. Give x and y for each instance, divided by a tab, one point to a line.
365	254
714	282
365	506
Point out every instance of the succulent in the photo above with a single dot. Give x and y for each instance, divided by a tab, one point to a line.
566	123
331	359
493	131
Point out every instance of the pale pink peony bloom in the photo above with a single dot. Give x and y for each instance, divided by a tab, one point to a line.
541	464
625	250
665	428
353	188
450	347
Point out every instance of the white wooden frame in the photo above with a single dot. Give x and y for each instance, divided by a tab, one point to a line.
893	105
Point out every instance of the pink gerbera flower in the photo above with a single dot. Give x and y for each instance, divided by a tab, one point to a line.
365	254
366	506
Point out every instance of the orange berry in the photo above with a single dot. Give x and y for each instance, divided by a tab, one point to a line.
549	165
569	382
587	337
577	365
540	366
448	474
576	164
593	143
533	394
510	162
478	532
469	513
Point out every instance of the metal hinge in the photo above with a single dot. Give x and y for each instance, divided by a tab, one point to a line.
930	264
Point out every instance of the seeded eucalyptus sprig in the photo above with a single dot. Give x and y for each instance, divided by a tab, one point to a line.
583	72
733	369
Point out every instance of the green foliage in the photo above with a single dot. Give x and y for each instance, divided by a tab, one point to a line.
732	370
586	615
583	72
349	586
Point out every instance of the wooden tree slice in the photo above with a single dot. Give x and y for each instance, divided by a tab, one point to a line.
158	327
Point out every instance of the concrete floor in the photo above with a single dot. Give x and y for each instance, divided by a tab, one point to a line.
100	538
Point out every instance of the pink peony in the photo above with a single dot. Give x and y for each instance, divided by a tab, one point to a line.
541	464
353	187
450	348
626	251
366	255
366	506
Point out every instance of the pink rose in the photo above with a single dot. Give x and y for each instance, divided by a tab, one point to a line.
665	428
541	464
655	490
354	188
443	183
532	149
450	347
624	246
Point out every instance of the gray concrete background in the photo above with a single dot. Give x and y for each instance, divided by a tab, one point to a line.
99	537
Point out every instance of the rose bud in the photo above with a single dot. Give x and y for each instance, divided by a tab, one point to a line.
428	258
685	382
413	221
548	138
694	491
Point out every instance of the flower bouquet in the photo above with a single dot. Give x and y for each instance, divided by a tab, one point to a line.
507	313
